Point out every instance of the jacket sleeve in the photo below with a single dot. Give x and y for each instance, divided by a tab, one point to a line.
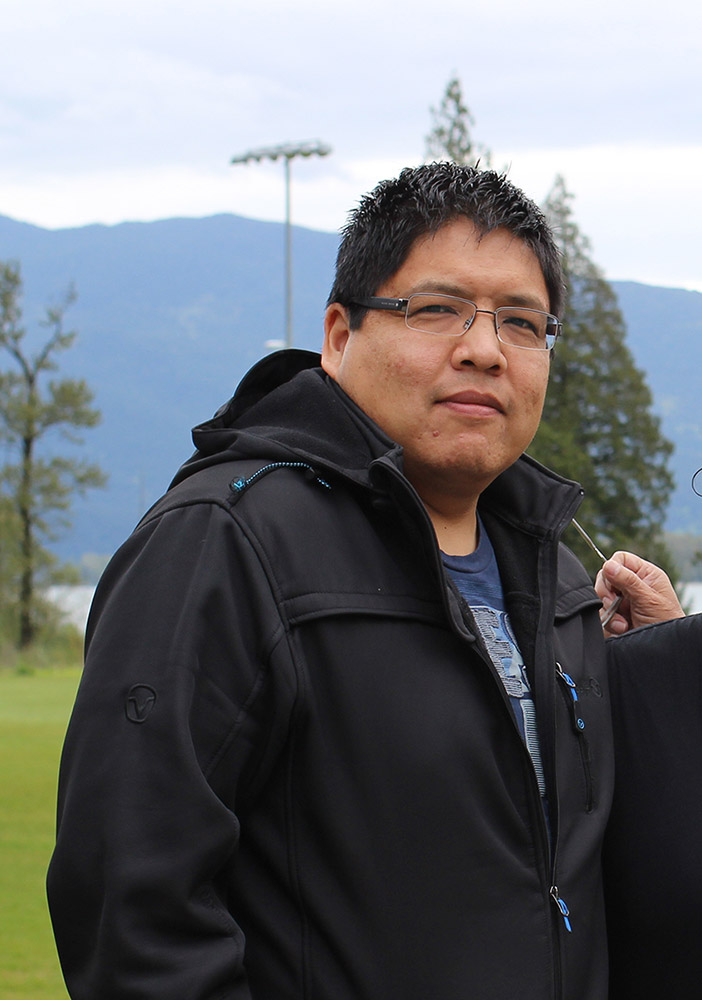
652	861
177	711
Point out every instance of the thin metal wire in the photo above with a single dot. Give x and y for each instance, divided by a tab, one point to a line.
614	606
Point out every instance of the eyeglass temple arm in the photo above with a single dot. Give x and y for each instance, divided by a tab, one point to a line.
381	302
589	541
614	606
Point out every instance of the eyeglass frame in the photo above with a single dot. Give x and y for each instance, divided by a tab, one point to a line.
402	305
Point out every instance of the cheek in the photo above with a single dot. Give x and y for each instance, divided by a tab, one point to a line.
534	378
534	399
402	400
405	383
394	381
541	395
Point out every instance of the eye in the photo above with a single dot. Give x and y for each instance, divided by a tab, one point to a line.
425	307
521	322
523	327
431	312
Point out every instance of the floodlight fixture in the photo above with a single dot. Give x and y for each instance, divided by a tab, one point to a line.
286	152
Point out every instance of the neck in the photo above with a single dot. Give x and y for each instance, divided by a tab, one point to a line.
451	502
456	531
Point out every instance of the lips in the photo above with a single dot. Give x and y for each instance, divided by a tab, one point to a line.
469	400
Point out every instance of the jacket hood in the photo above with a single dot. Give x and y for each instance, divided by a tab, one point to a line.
288	409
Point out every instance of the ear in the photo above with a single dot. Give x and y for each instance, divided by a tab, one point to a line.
336	337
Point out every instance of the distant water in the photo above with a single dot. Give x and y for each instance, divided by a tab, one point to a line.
75	602
691	597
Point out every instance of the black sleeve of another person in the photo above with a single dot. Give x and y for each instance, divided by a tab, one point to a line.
653	852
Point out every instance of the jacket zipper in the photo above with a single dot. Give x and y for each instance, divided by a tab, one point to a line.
553	890
571	693
548	572
561	904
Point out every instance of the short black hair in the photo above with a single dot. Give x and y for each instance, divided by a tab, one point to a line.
380	233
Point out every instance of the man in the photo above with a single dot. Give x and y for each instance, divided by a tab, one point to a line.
343	732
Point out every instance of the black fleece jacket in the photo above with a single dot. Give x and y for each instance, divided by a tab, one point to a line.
292	771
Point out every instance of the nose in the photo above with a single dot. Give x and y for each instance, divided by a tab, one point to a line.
478	345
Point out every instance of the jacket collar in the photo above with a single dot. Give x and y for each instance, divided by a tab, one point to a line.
286	408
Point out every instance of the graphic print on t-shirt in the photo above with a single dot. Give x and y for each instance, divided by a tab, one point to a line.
504	652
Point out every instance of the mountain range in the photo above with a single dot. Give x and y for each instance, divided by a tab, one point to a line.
171	314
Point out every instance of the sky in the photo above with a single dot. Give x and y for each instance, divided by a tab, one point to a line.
116	110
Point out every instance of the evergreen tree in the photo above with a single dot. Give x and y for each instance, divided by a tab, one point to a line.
450	137
36	489
598	426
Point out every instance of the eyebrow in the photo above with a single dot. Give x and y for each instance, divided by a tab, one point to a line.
445	288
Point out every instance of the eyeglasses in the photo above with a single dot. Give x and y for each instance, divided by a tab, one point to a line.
450	316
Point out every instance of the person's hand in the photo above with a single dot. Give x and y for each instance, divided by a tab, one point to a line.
648	594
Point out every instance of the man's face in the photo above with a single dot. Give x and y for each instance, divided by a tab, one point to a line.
463	408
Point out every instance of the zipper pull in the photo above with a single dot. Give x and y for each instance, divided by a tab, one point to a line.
567	679
237	486
570	683
560	903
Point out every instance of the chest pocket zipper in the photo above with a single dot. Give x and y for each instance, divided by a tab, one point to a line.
570	692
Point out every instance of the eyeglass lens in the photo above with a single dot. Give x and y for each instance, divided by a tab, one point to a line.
451	316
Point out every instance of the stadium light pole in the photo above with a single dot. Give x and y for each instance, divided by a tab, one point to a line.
287	152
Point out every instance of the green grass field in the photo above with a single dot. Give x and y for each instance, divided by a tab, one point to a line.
34	710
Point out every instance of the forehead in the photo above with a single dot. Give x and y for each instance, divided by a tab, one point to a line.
458	258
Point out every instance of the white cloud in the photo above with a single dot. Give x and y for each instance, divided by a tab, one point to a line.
132	109
639	205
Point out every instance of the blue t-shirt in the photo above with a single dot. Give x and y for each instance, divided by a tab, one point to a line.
478	581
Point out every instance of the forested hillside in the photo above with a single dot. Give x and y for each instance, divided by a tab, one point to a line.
170	315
